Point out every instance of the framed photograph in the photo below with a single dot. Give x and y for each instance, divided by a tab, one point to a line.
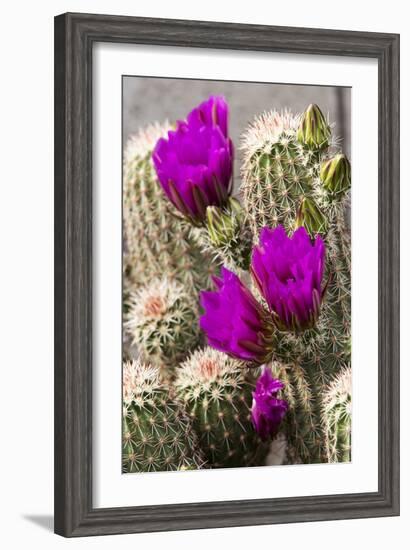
226	274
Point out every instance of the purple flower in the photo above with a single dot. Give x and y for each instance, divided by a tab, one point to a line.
267	410
234	321
289	272
194	165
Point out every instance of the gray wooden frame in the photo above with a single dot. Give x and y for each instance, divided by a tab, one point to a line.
74	38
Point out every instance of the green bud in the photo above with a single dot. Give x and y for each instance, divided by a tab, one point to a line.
311	217
314	131
335	174
214	222
223	223
235	207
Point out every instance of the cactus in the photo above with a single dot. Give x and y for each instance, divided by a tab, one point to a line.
217	393
157	434
291	177
337	416
303	424
226	236
157	240
162	322
191	409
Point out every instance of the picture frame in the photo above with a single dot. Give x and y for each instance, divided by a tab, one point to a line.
75	35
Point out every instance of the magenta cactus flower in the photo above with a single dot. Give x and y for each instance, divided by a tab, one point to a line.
234	321
194	165
267	410
288	272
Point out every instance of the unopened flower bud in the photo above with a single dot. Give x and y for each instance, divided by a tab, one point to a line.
223	223
335	174
314	131
311	217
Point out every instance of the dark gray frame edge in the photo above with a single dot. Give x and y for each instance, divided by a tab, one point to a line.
74	37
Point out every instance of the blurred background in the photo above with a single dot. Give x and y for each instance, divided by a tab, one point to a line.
146	100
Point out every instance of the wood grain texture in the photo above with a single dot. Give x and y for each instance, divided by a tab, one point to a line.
74	38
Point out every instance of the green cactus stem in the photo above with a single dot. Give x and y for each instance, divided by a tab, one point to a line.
292	178
162	322
337	416
157	434
157	241
217	393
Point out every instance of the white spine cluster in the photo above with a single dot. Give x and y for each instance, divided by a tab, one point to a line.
339	392
143	142
162	321
154	301
337	416
204	368
138	379
266	129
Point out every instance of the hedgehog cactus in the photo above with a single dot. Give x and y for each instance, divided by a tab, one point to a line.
157	242
289	316
275	176
290	177
162	322
157	434
217	393
281	170
337	416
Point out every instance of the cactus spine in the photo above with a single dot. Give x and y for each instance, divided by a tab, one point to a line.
157	434
337	416
217	393
162	322
285	158
157	241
